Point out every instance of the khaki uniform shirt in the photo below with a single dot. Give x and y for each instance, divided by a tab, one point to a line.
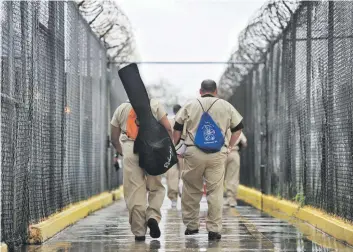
121	114
222	112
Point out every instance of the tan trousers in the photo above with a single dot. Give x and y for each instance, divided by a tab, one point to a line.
136	185
199	165
231	178
173	176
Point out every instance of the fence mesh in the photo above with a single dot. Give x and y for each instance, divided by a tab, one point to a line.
298	110
55	108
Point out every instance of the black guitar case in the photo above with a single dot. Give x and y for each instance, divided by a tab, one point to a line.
153	145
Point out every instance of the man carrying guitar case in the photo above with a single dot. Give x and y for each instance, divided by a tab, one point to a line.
148	151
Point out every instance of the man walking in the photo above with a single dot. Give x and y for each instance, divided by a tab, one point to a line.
136	183
206	121
173	174
231	178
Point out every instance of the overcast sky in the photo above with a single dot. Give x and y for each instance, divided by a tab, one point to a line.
187	30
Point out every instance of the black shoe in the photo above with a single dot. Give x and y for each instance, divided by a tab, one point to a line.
140	238
191	232
155	232
212	236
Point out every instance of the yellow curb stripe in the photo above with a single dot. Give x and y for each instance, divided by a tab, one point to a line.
118	194
44	230
312	233
250	196
331	225
3	247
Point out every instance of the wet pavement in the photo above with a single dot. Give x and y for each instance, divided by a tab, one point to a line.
244	229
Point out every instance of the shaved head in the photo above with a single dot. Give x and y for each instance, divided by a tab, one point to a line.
208	86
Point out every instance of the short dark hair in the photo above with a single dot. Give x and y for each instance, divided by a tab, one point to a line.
176	108
208	86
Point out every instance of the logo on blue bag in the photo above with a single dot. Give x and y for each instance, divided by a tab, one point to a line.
209	133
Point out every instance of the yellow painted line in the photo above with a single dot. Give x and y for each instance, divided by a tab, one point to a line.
44	230
3	247
333	226
118	194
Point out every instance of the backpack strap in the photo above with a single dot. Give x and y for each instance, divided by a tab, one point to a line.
190	135
209	107
212	105
201	105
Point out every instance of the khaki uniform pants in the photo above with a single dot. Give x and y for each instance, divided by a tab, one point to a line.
231	178
136	185
199	165
173	176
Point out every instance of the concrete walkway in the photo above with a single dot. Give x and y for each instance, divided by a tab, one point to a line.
245	229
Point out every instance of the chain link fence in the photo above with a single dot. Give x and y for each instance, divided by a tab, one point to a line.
298	111
57	96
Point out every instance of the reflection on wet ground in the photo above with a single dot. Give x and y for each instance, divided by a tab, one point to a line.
244	229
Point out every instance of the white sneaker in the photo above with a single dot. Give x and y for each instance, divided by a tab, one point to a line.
174	203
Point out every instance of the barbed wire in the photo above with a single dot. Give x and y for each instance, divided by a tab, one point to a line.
111	26
264	28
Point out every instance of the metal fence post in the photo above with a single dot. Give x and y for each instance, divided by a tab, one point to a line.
330	170
308	92
264	127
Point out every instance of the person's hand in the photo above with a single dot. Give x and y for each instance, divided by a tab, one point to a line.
119	151
229	149
116	164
